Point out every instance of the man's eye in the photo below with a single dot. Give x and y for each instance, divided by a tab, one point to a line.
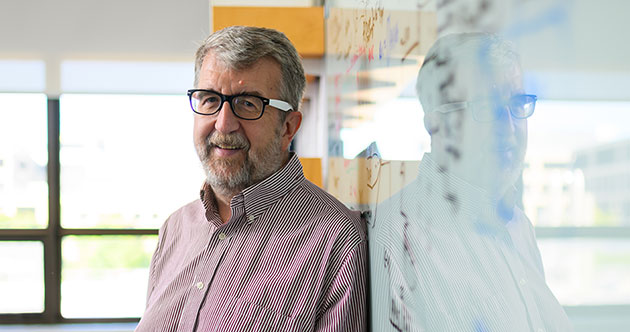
211	100
247	102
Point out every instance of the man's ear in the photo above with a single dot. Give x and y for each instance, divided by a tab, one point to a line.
432	122
290	127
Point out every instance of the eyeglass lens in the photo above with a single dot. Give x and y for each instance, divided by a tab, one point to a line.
521	107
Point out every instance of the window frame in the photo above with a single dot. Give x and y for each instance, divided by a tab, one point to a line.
52	236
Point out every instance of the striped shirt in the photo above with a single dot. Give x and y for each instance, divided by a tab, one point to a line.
290	258
444	260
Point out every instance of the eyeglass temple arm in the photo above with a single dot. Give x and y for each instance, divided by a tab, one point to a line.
281	105
449	107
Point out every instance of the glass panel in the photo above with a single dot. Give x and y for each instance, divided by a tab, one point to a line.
587	272
99	271
22	75
126	161
126	77
21	277
389	113
23	160
578	173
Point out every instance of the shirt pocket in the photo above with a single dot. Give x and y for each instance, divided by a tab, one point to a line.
242	315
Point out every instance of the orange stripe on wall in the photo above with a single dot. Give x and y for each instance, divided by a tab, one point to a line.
304	26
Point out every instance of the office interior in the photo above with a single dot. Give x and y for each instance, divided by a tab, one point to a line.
93	109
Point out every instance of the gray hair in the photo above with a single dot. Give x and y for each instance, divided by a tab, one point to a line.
239	47
455	52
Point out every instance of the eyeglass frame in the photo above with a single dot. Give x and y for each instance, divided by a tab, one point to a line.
276	103
456	106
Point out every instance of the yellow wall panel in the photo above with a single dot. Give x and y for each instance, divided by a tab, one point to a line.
304	26
313	170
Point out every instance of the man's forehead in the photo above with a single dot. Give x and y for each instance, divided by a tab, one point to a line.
245	79
216	59
487	79
212	63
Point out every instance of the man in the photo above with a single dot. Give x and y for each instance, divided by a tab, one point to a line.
263	249
452	251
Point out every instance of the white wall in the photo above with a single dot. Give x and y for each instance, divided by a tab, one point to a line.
89	29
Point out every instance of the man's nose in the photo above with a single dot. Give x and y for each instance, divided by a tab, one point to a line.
226	122
506	122
511	130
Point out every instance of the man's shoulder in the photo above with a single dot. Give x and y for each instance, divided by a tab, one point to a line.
331	209
191	211
317	194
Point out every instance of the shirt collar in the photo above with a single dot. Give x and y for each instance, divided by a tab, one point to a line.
207	198
258	197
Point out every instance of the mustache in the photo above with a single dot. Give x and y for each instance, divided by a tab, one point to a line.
229	141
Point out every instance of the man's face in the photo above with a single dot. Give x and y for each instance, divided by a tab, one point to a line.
237	153
492	152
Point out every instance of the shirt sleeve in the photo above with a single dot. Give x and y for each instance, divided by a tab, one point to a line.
344	305
154	259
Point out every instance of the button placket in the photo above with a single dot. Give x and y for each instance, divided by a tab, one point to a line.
518	269
197	294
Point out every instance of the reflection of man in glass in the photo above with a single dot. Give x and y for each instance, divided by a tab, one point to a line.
263	249
452	251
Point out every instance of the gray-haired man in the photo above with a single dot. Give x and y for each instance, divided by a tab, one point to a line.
263	249
453	251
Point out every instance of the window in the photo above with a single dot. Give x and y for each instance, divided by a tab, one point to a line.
127	163
79	219
583	238
587	271
99	271
575	181
22	277
590	131
23	188
22	75
118	150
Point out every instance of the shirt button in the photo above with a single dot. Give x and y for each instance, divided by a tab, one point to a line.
541	329
222	236
199	285
522	282
251	218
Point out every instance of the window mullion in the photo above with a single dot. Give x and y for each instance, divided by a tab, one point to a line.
52	241
606	232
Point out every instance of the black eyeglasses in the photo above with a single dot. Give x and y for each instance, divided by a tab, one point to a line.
247	107
488	110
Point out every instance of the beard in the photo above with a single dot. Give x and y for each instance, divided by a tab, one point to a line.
485	163
230	175
501	169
